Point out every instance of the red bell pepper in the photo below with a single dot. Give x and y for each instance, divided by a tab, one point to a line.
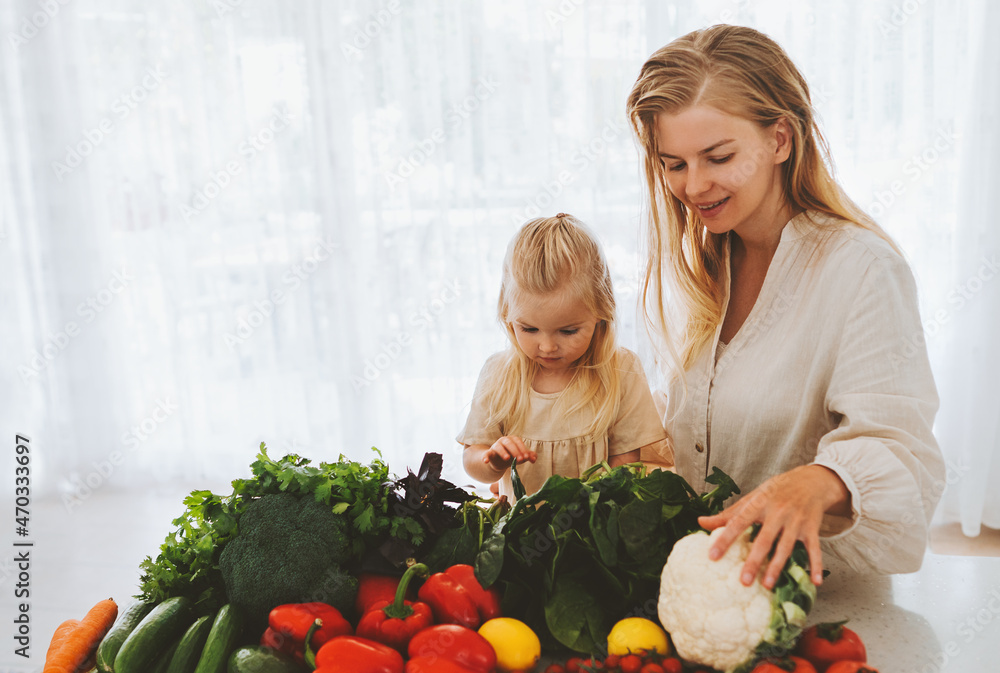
436	665
373	588
351	654
457	597
394	623
288	625
442	645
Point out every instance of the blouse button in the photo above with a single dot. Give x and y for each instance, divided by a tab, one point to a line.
699	448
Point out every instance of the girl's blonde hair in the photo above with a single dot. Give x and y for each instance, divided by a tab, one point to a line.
742	72
556	254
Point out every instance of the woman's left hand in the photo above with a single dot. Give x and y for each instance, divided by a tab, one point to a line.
789	507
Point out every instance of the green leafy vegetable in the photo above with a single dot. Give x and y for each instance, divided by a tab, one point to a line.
388	518
579	554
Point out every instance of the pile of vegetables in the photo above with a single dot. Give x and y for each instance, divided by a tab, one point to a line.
342	567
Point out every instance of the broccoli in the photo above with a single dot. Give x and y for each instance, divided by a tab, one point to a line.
288	549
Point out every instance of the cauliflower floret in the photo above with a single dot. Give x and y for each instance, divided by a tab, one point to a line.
711	616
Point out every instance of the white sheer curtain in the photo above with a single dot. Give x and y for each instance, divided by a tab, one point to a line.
969	423
239	221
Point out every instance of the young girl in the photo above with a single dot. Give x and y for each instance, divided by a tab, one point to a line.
563	396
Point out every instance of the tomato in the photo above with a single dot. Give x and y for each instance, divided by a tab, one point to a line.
778	666
823	644
850	667
671	665
651	668
555	668
612	660
630	663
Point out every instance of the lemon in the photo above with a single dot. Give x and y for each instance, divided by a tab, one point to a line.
516	645
637	635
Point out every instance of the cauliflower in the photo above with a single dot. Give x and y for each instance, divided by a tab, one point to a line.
713	619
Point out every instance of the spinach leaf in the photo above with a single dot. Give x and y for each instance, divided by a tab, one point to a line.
488	563
574	616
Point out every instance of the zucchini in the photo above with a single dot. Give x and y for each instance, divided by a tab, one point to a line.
112	641
221	641
189	648
158	630
259	659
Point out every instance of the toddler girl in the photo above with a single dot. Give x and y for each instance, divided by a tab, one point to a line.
563	396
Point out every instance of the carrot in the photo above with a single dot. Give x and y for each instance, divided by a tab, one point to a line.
61	634
81	642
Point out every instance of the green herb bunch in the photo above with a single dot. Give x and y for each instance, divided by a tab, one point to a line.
386	519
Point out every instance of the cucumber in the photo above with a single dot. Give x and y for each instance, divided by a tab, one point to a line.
259	659
189	648
112	641
161	665
221	640
144	647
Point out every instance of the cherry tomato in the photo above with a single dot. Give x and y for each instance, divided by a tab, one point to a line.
671	665
612	660
651	668
573	664
555	668
850	667
772	666
823	644
630	663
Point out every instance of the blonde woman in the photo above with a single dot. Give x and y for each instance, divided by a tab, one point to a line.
786	316
563	396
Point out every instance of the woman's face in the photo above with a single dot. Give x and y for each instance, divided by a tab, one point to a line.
725	168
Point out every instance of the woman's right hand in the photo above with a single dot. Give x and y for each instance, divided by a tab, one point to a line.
505	449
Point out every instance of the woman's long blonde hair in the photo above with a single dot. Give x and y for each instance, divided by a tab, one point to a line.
557	254
738	71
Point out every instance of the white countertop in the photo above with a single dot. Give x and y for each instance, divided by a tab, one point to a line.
945	617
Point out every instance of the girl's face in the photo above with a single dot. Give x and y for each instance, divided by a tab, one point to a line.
553	329
725	168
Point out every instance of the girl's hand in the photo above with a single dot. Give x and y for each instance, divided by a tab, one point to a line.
789	507
505	449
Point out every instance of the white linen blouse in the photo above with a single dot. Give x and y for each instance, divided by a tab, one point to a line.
829	368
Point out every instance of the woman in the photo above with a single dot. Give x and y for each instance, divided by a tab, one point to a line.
787	317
